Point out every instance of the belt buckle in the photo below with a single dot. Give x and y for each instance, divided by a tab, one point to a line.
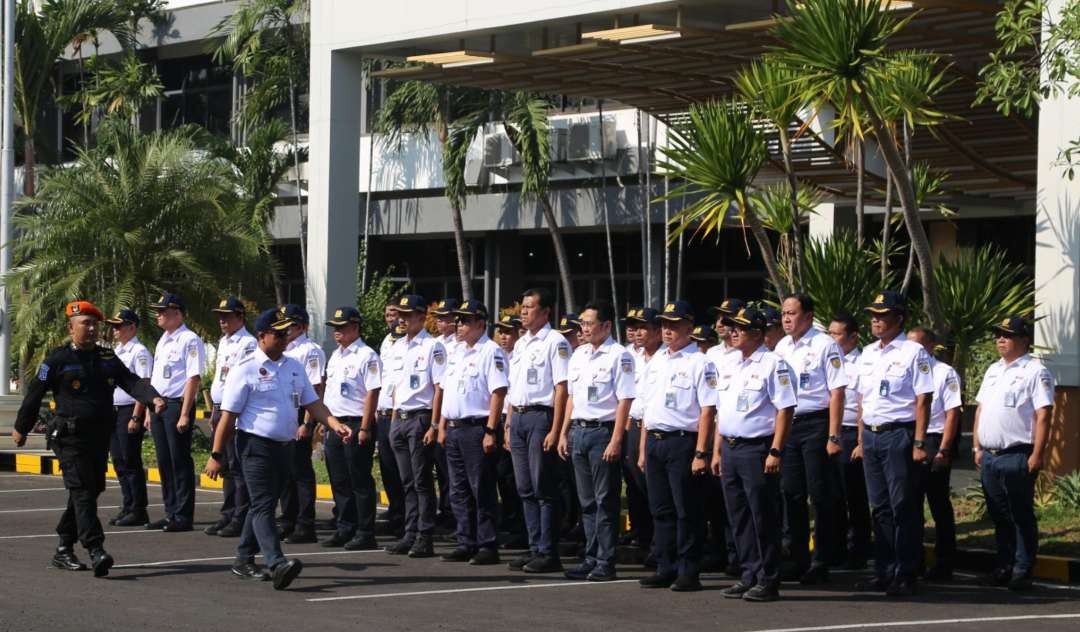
656	434
730	441
875	428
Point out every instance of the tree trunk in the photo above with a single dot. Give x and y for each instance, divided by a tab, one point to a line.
560	253
919	241
910	271
886	230
29	154
767	254
296	167
798	281
459	245
860	201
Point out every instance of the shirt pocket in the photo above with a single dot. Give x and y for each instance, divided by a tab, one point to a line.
682	382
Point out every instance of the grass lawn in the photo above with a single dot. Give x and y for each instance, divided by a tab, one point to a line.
1059	528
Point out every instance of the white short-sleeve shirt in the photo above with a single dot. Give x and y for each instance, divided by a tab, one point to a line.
891	378
138	360
818	368
351	373
386	393
418	366
231	349
266	394
747	402
1008	398
947	394
637	407
310	356
180	355
472	375
538	363
851	394
679	384
599	378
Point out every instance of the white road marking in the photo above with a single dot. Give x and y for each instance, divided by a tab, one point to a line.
45	489
233	557
451	591
53	534
892	624
11	511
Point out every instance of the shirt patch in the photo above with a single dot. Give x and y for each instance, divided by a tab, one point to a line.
783	377
193	350
627	365
564	350
924	367
43	372
835	362
954	386
710	378
142	361
499	364
313	362
373	366
439	356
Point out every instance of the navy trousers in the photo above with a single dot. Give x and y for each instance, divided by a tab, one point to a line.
298	495
175	464
126	449
349	467
473	495
852	507
892	487
637	497
676	500
598	486
388	471
1010	499
266	464
934	488
236	501
536	473
804	475
753	504
414	460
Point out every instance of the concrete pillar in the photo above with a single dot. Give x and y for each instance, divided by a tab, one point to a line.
823	222
1057	272
334	188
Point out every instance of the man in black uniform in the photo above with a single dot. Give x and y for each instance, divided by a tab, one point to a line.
82	376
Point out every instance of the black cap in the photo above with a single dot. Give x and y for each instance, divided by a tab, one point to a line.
230	305
473	308
272	320
749	317
679	310
168	300
772	316
703	333
509	321
645	315
568	323
1014	325
412	303
344	315
445	307
125	315
727	307
295	313
887	302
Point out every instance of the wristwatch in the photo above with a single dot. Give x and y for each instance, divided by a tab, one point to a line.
699	454
920	444
489	431
834	439
775	452
217	456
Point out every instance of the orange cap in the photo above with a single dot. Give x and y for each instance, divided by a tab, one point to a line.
83	308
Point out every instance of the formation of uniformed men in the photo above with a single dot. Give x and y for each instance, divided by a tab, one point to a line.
729	434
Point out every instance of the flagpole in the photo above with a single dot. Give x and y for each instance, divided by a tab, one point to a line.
7	181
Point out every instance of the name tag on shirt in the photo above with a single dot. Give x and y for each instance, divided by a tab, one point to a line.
344	389
669	400
166	372
296	400
594	394
461	386
804	380
532	377
266	386
414	381
1010	399
742	404
883	389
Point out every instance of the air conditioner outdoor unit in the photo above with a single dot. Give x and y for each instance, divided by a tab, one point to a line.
475	173
559	141
498	152
585	136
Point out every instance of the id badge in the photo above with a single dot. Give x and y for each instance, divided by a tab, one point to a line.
742	404
296	400
414	381
532	377
669	400
883	389
461	386
166	372
344	389
594	394
224	373
1010	399
804	381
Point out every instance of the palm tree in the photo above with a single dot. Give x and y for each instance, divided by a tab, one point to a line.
41	36
773	204
134	216
840	276
121	89
840	49
717	153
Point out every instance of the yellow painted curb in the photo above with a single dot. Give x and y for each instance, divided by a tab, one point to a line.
56	471
29	463
153	475
1050	567
206	481
110	472
323	492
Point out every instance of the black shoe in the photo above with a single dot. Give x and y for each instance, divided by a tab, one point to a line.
176	527
735	591
544	564
214	528
285	572
401	547
485	557
938	573
602	573
657	581
132	520
157	525
422	548
390	527
362	544
117	518
999	577
874	584
521	562
815	575
65	559
250	571
686	583
231	530
761	593
581	571
515	541
460	554
1021	583
101	562
901	588
337	540
302	535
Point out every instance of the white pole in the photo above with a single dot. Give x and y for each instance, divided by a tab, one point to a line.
7	180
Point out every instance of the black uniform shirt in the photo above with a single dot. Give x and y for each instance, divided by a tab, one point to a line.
82	383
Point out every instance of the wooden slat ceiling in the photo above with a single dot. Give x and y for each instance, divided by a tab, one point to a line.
663	69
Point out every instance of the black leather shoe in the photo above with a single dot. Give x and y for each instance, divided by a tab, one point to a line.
176	527
214	528
1021	583
815	575
544	564
580	572
157	525
422	548
686	583
101	561
761	593
657	581
874	584
401	547
361	544
735	591
116	518
485	557
302	536
901	588
132	520
519	563
285	572
250	571
231	530
337	540
460	554
65	559
602	574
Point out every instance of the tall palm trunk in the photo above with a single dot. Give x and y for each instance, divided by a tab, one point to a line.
768	256
796	229
29	155
560	253
886	230
860	195
296	168
459	246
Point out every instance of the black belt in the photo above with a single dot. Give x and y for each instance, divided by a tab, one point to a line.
734	441
637	422
262	438
116	409
531	409
1019	448
895	425
405	415
174	400
592	423
466	422
385	412
670	434
817	414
